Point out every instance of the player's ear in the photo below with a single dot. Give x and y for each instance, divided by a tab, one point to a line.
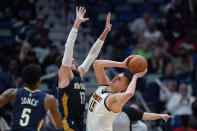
38	83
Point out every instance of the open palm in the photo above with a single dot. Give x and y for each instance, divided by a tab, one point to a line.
108	24
80	12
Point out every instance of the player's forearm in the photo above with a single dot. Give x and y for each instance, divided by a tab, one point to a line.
68	53
125	96
92	55
76	25
104	35
108	63
151	116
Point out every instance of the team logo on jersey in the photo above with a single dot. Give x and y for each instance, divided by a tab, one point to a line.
97	97
79	86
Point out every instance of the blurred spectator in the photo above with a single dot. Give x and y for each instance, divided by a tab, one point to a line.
169	72
157	62
23	8
42	50
8	77
173	34
152	34
35	35
19	82
193	120
185	124
24	50
121	41
166	50
176	11
15	50
30	58
140	24
154	89
187	42
50	59
144	49
184	62
167	90
180	103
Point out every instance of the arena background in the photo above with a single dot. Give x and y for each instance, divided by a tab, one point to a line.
35	31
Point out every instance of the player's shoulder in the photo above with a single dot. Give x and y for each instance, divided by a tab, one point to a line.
49	101
49	97
11	91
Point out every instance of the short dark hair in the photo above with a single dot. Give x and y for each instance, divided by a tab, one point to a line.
129	78
31	74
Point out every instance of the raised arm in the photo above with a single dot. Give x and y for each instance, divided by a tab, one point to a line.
51	105
116	101
94	51
65	73
99	71
8	96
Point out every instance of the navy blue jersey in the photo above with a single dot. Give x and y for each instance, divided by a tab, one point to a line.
28	110
72	103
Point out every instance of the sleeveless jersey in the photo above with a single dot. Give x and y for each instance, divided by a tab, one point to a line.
99	116
72	104
28	110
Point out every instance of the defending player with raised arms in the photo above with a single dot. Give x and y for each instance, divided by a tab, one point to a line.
30	104
71	88
108	99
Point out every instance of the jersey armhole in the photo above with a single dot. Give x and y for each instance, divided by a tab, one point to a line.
105	103
15	101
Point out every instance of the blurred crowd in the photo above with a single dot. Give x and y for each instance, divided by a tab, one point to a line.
167	39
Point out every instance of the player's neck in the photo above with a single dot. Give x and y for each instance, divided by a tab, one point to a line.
110	89
32	88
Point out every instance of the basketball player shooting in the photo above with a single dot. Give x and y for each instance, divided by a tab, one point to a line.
108	100
71	88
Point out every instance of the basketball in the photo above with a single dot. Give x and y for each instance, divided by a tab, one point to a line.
137	64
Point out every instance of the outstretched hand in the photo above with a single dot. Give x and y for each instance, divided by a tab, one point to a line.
80	12
165	117
108	24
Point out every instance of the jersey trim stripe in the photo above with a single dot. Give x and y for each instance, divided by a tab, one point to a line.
31	90
64	103
66	126
105	103
40	124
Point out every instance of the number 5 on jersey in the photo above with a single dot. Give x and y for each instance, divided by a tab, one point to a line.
25	117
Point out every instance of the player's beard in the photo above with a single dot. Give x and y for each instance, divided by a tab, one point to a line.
76	72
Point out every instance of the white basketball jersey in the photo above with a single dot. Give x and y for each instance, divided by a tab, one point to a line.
99	117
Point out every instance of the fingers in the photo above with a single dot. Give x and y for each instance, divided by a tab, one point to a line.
84	11
108	18
86	19
77	9
145	71
80	10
